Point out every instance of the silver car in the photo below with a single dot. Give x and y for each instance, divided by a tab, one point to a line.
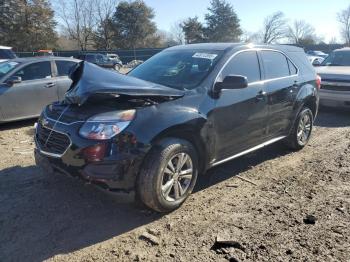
335	75
29	84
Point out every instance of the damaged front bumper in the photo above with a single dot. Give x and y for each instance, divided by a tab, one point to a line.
115	170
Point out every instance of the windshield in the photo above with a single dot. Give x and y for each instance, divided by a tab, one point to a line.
179	69
6	67
7	54
341	58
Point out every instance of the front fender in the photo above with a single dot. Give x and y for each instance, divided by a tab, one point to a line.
173	119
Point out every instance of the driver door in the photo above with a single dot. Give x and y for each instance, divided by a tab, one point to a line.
27	98
240	115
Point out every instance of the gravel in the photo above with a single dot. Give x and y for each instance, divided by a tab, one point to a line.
299	209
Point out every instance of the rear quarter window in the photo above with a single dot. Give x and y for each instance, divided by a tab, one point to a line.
64	67
293	70
275	64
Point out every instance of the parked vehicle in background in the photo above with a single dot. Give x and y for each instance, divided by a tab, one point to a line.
115	57
6	53
184	110
29	84
315	60
101	60
335	74
134	63
317	53
44	52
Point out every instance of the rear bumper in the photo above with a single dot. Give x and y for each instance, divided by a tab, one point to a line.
335	98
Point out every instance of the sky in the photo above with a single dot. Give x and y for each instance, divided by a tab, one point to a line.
322	14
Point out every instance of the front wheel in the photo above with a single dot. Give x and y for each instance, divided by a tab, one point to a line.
168	175
301	132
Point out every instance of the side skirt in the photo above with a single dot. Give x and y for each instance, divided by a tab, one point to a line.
249	150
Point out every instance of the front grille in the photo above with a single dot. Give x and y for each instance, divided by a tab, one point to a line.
51	141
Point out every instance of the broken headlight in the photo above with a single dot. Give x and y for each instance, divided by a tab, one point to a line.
107	125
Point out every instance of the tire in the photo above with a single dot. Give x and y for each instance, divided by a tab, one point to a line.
294	141
155	177
117	67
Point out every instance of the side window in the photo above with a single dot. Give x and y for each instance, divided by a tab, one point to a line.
292	69
245	64
35	71
64	67
275	64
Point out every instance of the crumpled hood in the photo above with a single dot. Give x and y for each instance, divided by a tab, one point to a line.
334	72
89	80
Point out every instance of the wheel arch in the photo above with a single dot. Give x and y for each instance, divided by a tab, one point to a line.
190	134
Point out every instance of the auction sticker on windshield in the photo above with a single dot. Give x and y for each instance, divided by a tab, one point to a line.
205	56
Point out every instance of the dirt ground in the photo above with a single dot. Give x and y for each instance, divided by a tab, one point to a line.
298	208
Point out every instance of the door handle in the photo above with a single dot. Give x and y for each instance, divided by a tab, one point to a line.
49	85
261	95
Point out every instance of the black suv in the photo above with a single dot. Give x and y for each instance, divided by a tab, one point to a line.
185	110
101	60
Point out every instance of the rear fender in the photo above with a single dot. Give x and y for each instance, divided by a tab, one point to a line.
307	96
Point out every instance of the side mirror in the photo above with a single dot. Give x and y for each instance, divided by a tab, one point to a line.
14	80
316	62
231	82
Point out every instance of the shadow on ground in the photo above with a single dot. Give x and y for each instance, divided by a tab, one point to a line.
330	117
42	216
17	124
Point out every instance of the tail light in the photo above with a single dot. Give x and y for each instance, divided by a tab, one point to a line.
318	82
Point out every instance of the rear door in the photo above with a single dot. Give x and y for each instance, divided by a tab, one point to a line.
280	77
61	73
240	116
37	89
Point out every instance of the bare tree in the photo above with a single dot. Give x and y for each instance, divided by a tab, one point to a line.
333	41
79	20
344	20
104	15
250	37
275	28
300	32
177	33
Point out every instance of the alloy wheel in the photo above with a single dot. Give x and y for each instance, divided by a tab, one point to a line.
177	177
304	129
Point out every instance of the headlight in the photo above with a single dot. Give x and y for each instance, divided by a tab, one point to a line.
107	125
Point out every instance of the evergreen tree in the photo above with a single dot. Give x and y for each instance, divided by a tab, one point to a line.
27	25
193	30
133	25
222	23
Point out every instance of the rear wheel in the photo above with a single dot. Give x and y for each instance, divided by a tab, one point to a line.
168	175
301	131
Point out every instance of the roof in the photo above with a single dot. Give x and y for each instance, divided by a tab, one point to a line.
5	47
226	46
42	58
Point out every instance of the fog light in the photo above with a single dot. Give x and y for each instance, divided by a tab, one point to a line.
95	153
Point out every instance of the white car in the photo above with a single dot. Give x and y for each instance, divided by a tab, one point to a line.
315	60
335	75
6	53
